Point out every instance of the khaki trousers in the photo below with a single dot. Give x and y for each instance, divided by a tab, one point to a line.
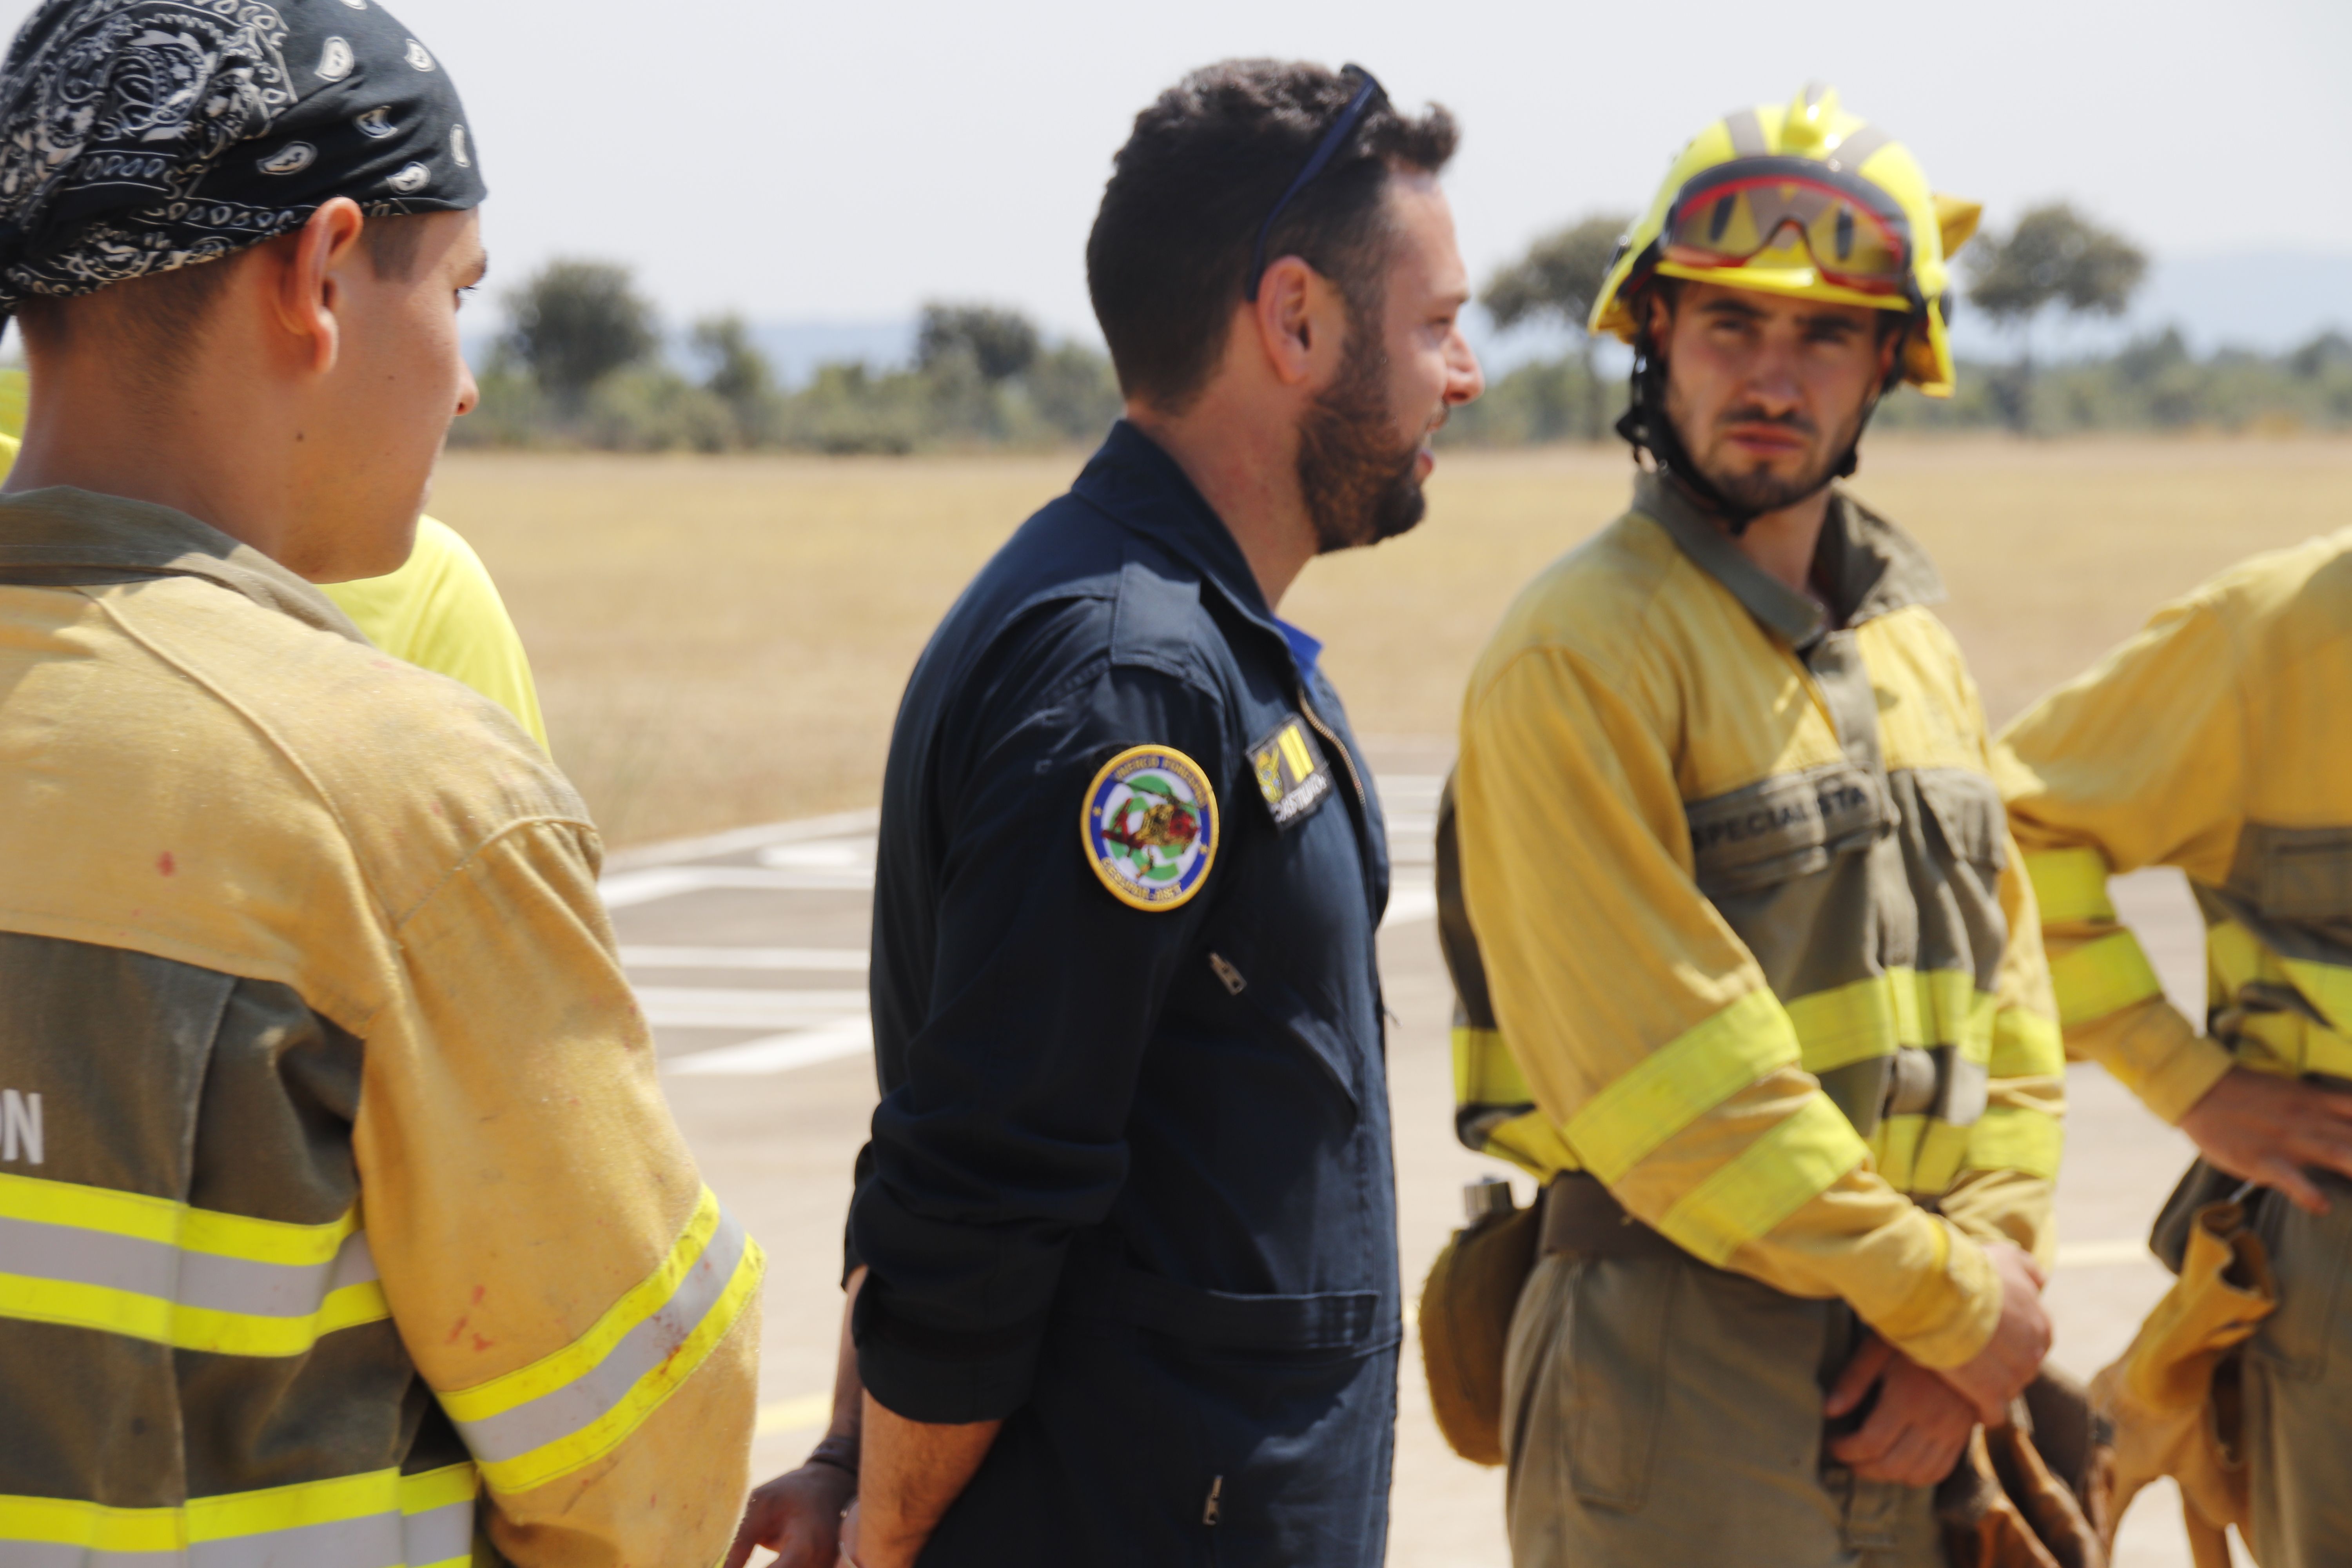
1661	1414
2298	1383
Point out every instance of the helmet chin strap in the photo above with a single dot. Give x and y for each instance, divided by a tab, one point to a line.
1645	427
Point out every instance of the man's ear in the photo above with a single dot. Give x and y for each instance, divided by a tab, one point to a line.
1284	315
310	288
1657	313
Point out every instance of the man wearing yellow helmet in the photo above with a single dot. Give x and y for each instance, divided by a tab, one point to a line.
1755	986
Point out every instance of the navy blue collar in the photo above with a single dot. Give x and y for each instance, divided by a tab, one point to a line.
1135	482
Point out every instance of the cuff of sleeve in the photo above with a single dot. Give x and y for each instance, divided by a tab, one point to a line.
943	1377
1952	1311
2164	1060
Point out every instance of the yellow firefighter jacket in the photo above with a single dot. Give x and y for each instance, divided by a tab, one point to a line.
2218	741
340	1209
1758	955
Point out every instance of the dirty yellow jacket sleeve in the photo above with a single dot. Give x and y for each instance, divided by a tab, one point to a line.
2139	763
1646	1029
598	1346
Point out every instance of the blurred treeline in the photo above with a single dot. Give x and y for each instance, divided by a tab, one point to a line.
583	364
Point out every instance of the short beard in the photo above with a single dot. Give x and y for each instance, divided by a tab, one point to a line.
1756	492
1359	488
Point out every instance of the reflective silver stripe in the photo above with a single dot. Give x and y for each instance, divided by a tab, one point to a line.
1747	134
562	1411
1855	150
439	1534
74	1256
52	1554
377	1541
368	1542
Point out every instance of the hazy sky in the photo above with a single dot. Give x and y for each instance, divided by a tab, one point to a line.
845	161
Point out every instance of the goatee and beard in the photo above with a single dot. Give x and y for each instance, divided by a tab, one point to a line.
1757	491
1359	484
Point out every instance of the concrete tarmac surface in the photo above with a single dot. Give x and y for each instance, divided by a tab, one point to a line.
749	952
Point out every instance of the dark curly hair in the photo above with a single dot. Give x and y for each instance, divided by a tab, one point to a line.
1208	159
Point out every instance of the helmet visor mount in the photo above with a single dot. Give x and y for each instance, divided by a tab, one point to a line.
1791	214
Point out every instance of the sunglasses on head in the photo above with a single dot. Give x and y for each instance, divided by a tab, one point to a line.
1333	140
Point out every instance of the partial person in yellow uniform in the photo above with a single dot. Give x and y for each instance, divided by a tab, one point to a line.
440	610
2219	740
342	1218
1750	976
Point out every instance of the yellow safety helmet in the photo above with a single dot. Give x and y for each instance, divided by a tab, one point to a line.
1806	200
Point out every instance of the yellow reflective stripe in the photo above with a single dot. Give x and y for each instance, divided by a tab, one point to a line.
1749	1195
171	1224
584	1354
2101	977
2016	1138
1485	1073
183	1327
57	1521
2326	986
1868	1018
2026	1045
1846	1023
608	1432
2070	885
252	1516
439	1489
2234	954
1895	1147
568	1409
1532	1143
1935	1165
1680	1082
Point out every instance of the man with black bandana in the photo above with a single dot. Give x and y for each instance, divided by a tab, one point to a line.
1750	976
1122	1256
341	1221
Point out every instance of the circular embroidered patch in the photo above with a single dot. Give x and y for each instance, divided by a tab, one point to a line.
1151	826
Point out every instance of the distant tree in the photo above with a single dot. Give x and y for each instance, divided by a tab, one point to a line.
1557	280
2315	358
740	376
575	323
2054	256
1002	344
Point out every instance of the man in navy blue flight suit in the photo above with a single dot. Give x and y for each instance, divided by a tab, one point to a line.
1123	1249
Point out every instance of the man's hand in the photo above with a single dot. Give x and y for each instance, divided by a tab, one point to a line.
1999	1371
797	1516
1914	1434
2261	1128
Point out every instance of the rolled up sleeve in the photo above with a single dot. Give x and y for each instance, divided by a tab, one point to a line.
1006	1137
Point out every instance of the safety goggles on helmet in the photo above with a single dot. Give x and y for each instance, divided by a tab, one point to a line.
1791	212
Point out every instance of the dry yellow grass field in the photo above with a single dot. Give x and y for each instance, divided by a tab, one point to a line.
723	640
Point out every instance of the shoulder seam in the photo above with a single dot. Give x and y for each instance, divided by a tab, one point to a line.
474	855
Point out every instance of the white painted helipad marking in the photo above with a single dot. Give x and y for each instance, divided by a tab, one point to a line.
778	1053
822	854
696	1007
2104	1253
766	958
1411	900
623	888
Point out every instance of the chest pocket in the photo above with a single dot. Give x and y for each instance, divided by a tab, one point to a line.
1968	820
1784	827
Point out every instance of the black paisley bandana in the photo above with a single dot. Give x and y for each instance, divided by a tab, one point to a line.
138	136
